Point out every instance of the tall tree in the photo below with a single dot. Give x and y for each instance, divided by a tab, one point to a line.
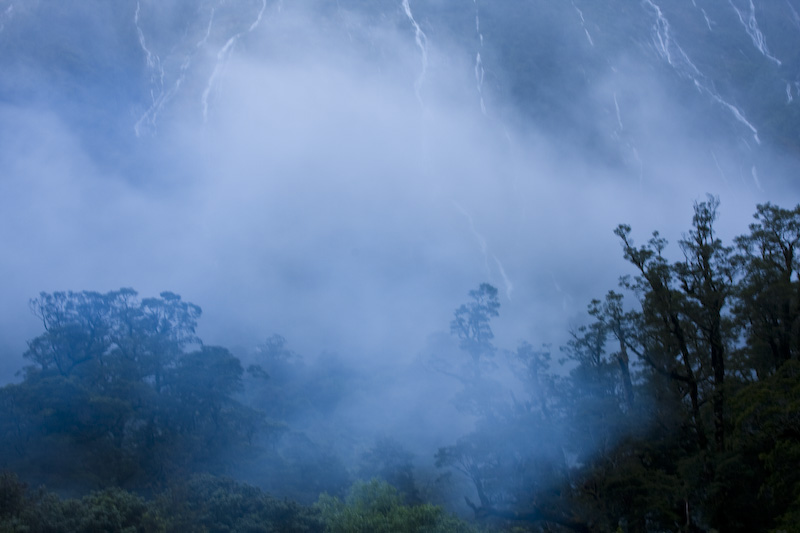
471	323
115	396
667	332
620	324
769	294
706	278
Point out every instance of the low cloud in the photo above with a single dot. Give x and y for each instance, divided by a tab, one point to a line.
318	197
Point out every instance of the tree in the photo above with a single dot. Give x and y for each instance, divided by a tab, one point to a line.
101	338
376	507
768	299
389	461
595	401
706	277
514	458
667	333
114	397
619	323
472	323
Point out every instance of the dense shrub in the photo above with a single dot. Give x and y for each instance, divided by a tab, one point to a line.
377	507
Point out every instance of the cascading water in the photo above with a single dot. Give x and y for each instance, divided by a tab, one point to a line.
719	167
479	72
422	43
754	173
224	54
153	61
583	25
478	237
737	114
708	20
795	16
752	29
484	249
666	46
619	116
150	117
509	286
673	54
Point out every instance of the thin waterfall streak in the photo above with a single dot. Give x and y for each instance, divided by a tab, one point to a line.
752	29
255	24
204	40
795	16
737	114
664	43
222	58
583	25
506	281
565	297
478	237
619	116
719	167
157	94
150	116
754	173
152	60
661	39
640	163
708	20
140	34
580	13
479	71
422	43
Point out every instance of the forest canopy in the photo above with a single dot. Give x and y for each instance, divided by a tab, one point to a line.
674	407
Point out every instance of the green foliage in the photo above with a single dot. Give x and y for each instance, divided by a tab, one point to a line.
207	503
376	507
769	291
111	510
680	410
471	322
389	461
292	463
114	397
203	503
767	449
303	469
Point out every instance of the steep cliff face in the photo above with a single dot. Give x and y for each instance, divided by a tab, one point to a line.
300	151
585	72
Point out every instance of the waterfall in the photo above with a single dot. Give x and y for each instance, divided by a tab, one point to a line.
222	58
751	27
422	43
674	55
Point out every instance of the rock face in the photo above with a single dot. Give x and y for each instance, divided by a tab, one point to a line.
582	71
323	159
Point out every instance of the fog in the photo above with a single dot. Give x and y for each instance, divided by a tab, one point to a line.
329	175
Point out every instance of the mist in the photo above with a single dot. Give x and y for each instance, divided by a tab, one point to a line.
344	175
